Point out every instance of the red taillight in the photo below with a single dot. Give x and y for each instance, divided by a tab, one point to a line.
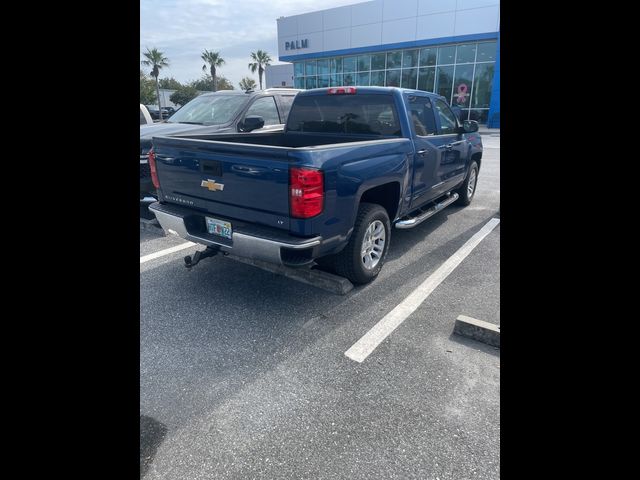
340	90
306	192
152	167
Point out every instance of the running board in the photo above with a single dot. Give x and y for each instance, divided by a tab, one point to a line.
417	220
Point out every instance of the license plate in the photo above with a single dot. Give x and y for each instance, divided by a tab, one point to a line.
219	227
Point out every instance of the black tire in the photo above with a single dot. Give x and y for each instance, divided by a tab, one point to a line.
465	197
349	262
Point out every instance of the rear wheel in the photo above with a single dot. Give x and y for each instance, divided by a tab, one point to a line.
363	257
467	190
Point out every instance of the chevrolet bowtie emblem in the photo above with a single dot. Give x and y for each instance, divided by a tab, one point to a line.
212	185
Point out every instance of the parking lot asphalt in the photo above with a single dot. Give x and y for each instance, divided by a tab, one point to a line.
243	373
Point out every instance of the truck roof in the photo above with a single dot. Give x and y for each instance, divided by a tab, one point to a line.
323	90
245	92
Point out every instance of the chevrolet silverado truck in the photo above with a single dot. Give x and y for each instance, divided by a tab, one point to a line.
350	164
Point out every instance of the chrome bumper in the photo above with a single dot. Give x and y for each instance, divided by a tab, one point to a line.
243	245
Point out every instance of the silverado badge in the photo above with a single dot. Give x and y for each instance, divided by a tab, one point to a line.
212	185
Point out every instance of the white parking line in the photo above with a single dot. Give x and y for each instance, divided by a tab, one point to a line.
360	350
166	251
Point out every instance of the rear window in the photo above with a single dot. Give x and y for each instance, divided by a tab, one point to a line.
357	114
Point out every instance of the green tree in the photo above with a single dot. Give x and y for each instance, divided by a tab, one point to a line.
223	84
170	83
260	60
183	95
214	60
147	90
247	84
204	84
156	60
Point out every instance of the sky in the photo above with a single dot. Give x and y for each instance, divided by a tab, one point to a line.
183	29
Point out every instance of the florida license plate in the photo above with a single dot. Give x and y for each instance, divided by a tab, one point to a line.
219	227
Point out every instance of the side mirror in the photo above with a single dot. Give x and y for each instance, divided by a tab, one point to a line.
252	122
470	126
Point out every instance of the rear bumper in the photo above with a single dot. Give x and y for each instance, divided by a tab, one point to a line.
249	241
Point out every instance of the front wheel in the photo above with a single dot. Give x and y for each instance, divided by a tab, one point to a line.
363	257
468	187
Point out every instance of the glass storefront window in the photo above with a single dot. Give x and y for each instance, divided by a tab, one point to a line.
310	67
461	73
444	82
394	59
349	64
336	80
426	79
427	56
323	67
363	79
378	61
377	78
410	59
349	79
486	52
393	78
409	78
335	65
482	85
462	85
364	63
466	53
446	55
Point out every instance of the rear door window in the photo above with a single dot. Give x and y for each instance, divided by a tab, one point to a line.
285	103
357	114
421	112
448	122
265	107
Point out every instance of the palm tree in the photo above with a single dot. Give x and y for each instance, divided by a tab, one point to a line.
214	60
157	60
260	60
247	83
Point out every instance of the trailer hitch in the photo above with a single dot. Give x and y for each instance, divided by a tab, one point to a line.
199	255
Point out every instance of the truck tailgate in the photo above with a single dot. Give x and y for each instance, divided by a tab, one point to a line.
241	181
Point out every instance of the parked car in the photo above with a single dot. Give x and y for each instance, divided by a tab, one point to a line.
351	163
218	112
167	112
145	117
155	113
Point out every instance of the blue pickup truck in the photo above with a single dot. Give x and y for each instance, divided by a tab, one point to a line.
351	163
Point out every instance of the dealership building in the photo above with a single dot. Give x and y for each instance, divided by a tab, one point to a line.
451	47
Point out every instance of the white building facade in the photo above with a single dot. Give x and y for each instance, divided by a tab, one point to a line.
450	47
278	76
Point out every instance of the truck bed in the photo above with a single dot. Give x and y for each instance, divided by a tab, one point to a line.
252	173
288	139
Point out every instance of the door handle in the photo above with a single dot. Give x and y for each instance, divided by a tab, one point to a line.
448	146
422	152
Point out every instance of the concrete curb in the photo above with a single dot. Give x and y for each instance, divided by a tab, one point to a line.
479	330
316	278
495	132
